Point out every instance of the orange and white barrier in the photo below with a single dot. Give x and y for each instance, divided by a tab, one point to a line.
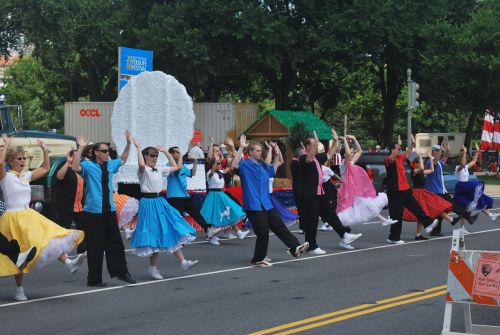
473	278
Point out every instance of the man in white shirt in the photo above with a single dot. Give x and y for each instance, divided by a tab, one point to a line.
196	152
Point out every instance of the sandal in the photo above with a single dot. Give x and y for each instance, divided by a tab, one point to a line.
261	264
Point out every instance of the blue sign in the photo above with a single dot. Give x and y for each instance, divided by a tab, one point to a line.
131	62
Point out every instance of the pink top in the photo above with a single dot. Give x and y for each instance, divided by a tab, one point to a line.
320	177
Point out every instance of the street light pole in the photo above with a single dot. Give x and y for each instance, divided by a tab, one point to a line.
409	107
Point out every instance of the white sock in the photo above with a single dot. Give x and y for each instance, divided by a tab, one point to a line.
19	289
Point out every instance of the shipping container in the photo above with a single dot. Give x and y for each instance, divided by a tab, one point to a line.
93	119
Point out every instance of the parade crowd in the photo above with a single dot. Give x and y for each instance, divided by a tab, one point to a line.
155	223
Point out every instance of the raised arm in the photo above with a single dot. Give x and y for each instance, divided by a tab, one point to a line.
447	151
431	164
230	146
269	155
237	157
194	168
473	162
45	167
411	146
140	157
173	165
78	154
463	161
62	171
395	153
210	152
358	148
347	150
333	147
3	153
278	157
126	151
311	155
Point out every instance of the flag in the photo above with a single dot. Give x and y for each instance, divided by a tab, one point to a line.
488	131
496	132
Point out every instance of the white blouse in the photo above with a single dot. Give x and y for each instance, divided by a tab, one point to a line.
327	173
16	190
463	174
152	181
216	181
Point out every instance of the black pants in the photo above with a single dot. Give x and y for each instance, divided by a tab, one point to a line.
65	218
264	220
456	209
9	248
188	205
103	235
314	207
298	203
398	200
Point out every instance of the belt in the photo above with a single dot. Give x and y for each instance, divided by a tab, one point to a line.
215	190
150	195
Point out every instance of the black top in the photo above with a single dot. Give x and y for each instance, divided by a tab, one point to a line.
294	166
309	178
65	191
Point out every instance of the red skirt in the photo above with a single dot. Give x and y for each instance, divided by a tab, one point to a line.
432	204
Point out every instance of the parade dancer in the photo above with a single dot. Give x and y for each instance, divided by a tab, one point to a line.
294	167
286	215
358	201
433	205
399	193
469	194
178	197
160	227
25	225
99	212
69	197
218	209
435	184
314	202
255	174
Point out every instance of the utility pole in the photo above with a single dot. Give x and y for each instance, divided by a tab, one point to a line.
412	102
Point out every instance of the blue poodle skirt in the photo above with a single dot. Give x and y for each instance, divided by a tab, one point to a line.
289	218
219	210
470	196
160	228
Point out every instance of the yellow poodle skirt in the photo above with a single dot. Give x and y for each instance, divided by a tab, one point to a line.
30	228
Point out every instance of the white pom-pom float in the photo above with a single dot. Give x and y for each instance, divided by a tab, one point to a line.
156	109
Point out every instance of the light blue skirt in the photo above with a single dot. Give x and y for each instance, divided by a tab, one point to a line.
160	228
219	210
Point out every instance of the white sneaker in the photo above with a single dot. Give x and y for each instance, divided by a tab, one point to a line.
326	227
267	259
430	227
20	296
317	251
154	273
346	246
349	238
388	222
212	231
395	242
74	264
25	257
242	233
214	240
129	233
493	217
300	231
186	265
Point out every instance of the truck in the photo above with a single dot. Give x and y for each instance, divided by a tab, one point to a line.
425	141
59	145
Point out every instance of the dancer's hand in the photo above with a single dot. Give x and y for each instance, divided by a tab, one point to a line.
161	148
81	141
477	147
334	135
137	144
399	140
42	145
128	136
316	140
229	141
464	148
243	141
211	138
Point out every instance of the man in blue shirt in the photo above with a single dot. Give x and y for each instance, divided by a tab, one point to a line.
99	212
435	184
254	175
178	196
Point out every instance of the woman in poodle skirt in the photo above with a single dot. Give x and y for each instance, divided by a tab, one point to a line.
218	209
357	200
160	227
469	194
27	226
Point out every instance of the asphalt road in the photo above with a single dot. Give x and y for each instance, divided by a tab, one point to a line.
336	293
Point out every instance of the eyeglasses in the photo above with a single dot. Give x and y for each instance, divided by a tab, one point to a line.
104	151
153	156
21	158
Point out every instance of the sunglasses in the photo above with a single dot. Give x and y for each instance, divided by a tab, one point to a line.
104	151
21	158
153	156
